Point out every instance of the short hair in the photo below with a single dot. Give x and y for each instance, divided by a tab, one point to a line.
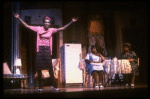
46	18
127	45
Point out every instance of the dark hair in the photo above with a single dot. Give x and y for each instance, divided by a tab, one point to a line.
127	45
93	47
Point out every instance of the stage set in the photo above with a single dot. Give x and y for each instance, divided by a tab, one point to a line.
77	83
108	30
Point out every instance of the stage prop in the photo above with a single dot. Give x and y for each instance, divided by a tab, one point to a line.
11	80
113	71
70	64
96	33
115	68
17	66
86	76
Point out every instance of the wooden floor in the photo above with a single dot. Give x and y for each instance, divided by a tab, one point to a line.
79	92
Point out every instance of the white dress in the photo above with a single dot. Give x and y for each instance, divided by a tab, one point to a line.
94	66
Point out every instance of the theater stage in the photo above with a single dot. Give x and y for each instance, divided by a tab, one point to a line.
79	92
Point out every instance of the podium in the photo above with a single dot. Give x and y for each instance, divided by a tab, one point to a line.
70	59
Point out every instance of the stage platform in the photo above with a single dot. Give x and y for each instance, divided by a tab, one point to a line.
79	92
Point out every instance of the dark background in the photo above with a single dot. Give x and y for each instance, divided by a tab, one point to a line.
137	36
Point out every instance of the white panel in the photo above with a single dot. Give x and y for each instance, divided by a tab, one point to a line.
73	74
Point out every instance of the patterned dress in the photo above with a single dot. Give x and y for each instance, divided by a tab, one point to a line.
134	64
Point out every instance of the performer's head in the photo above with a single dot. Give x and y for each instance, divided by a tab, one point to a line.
93	49
46	22
127	47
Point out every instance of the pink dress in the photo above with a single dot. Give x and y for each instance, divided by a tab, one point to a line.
44	38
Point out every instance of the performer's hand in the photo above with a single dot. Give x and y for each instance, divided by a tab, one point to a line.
74	19
16	15
131	60
99	54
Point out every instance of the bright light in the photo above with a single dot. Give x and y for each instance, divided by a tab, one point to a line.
18	62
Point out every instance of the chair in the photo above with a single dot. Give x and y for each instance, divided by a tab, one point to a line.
6	69
138	61
137	73
87	77
10	78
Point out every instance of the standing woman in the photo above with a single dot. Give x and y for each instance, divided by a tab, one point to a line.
95	69
44	47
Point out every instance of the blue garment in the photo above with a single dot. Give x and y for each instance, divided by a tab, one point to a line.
92	66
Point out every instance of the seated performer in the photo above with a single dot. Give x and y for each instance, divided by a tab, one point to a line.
95	57
131	56
44	47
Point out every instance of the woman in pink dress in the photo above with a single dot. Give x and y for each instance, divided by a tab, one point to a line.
44	47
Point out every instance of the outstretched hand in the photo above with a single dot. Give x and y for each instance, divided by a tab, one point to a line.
74	19
16	15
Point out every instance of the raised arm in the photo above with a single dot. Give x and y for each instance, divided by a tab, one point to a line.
64	27
25	24
103	58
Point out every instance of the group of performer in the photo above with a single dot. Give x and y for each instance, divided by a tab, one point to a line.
95	71
44	52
